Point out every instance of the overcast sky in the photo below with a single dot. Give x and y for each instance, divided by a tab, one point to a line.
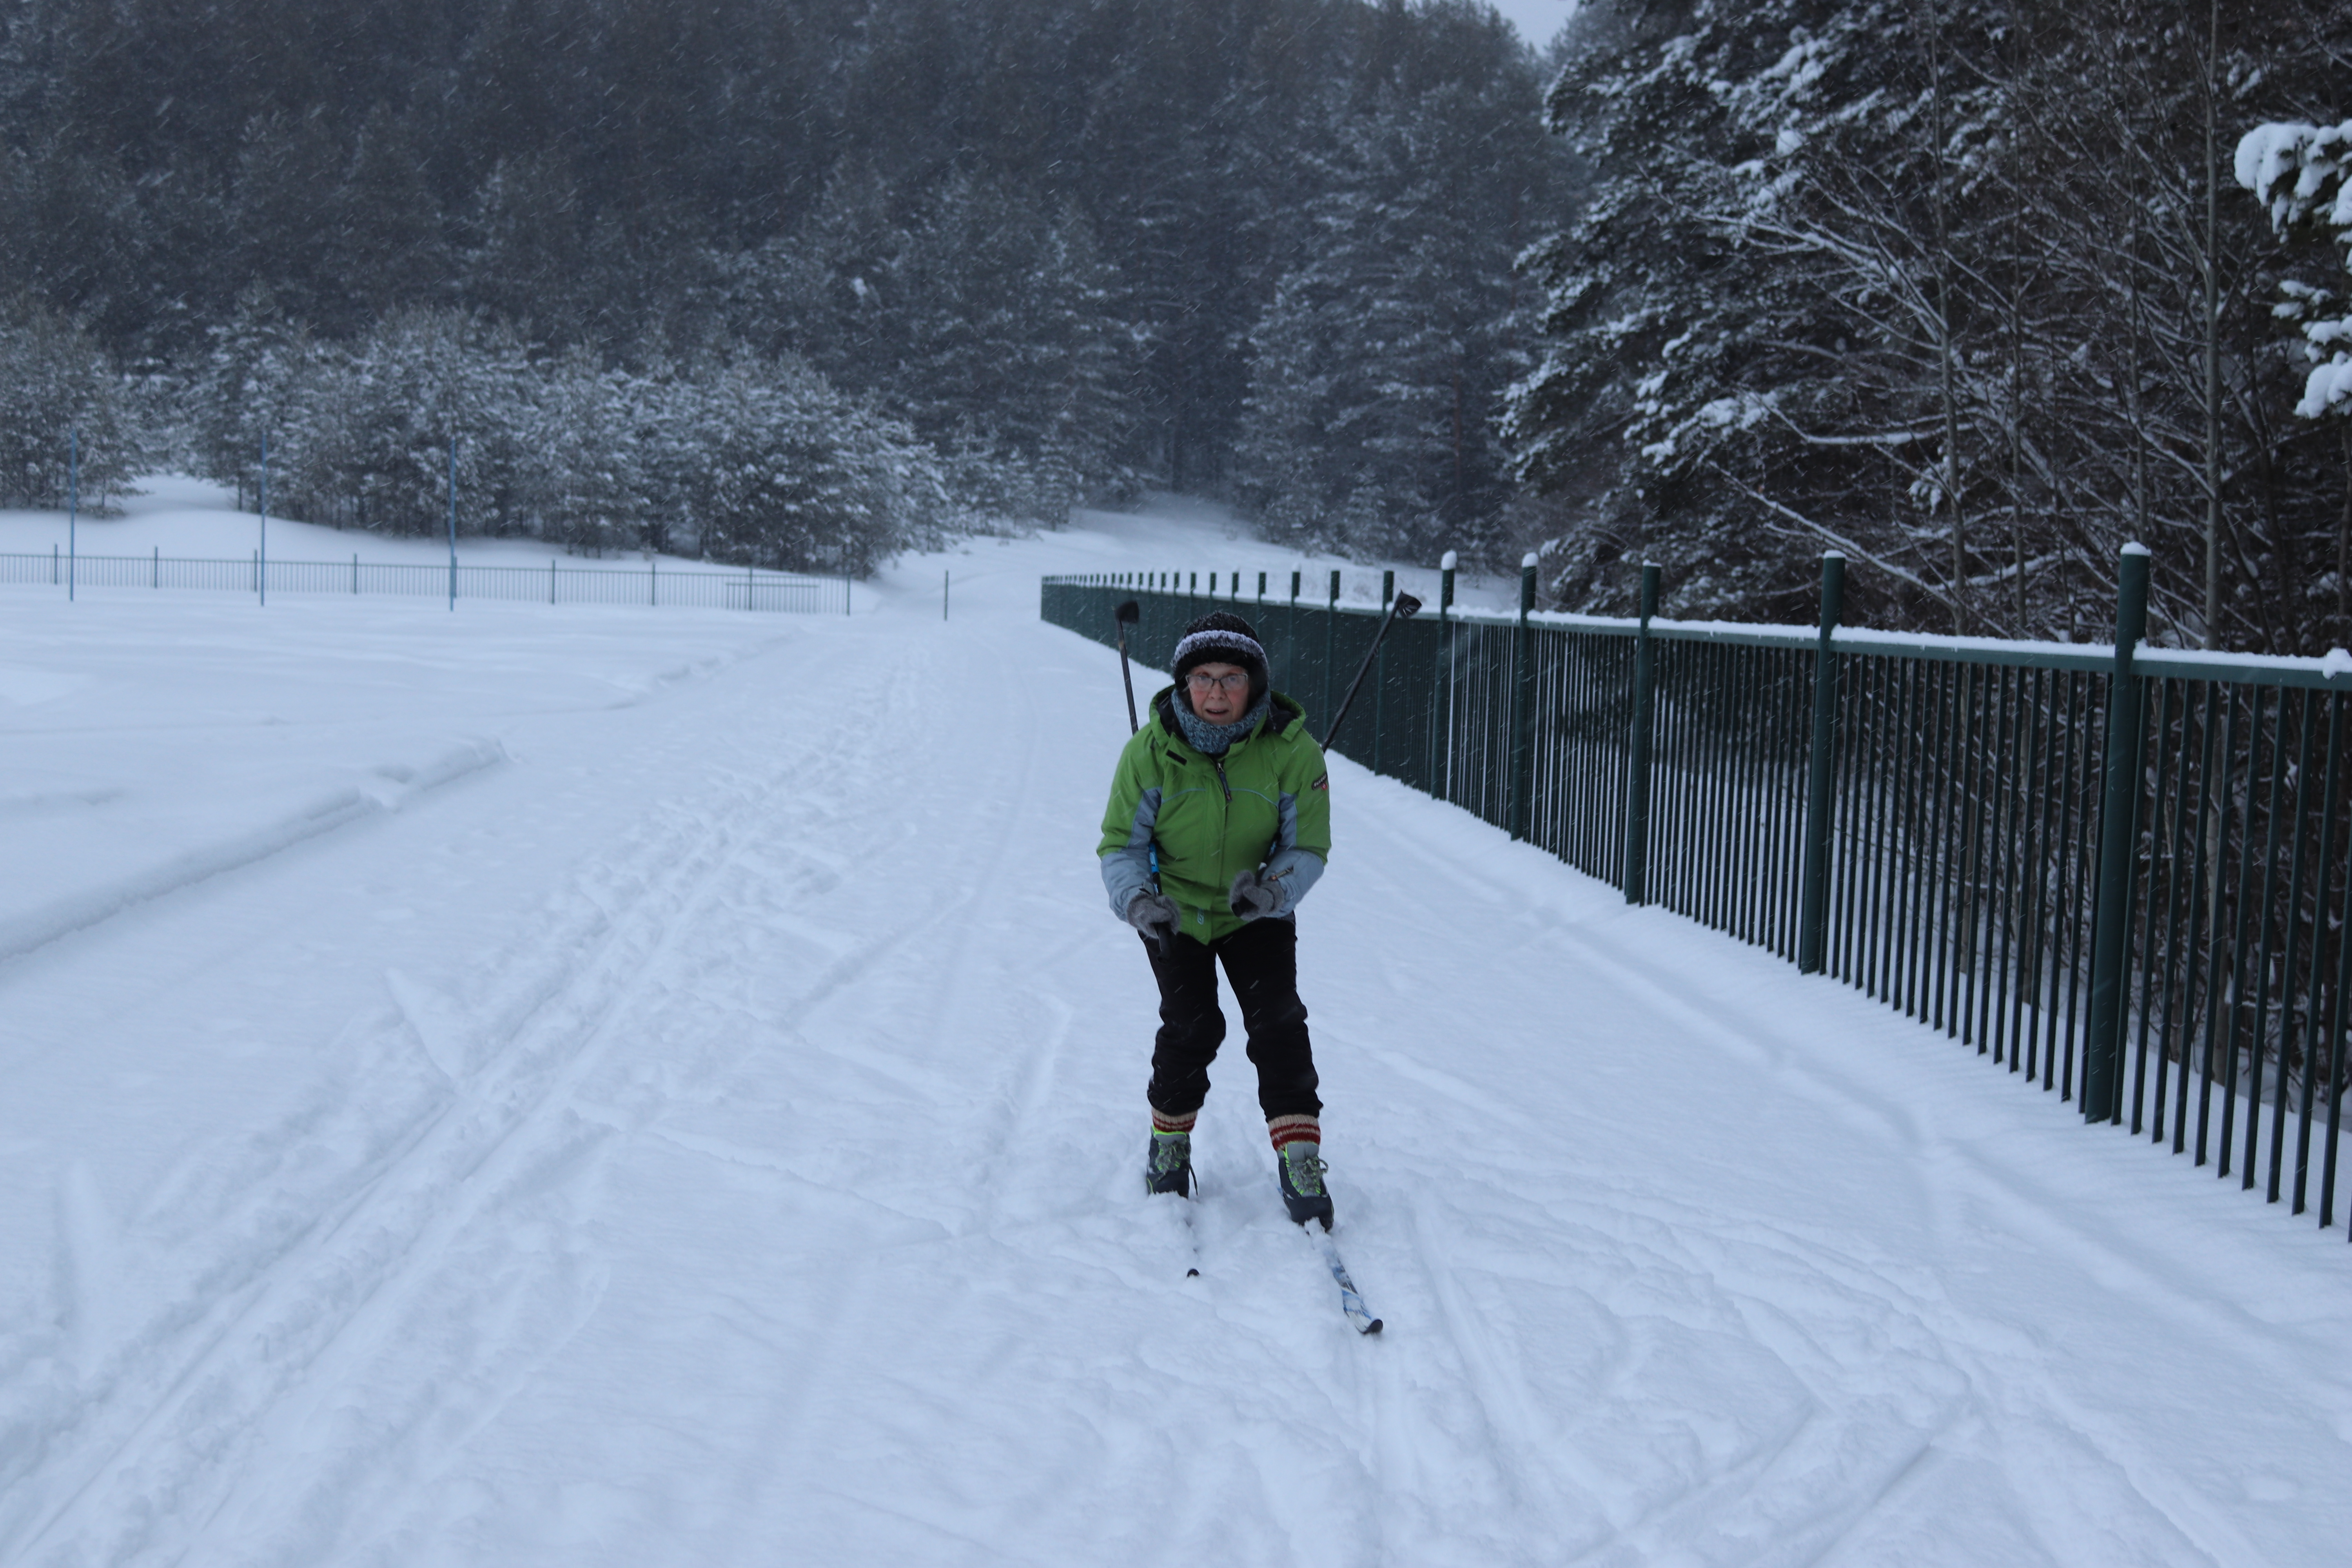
1537	20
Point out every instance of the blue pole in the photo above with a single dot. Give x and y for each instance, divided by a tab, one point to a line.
264	584
452	522
73	505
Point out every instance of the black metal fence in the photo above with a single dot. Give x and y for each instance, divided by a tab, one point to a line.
557	584
2122	872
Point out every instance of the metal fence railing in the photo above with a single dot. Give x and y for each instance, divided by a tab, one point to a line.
2122	872
746	589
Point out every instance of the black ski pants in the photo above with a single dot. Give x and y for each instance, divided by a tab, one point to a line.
1261	963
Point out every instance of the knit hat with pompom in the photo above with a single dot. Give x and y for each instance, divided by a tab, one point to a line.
1222	637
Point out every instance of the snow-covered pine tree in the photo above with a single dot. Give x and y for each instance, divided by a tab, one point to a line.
57	394
785	471
1377	365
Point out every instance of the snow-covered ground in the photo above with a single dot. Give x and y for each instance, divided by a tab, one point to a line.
589	1085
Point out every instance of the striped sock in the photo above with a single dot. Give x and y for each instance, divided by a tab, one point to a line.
1161	1122
1288	1130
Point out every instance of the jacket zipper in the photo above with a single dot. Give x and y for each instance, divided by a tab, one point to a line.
1219	763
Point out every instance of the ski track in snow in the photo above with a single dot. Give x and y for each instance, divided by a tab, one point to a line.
710	1135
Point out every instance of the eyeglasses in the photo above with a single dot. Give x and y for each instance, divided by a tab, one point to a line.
1205	683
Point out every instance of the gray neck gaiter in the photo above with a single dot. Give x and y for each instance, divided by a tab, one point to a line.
1211	739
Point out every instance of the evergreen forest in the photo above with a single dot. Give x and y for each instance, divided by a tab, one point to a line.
1973	292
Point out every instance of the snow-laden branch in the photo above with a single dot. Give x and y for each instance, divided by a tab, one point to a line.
2298	172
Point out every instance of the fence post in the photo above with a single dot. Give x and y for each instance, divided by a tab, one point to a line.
1637	745
2118	828
452	522
1813	910
1440	722
1330	632
1380	668
73	511
1290	636
1522	687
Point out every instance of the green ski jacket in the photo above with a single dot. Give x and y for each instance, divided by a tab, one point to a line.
1266	804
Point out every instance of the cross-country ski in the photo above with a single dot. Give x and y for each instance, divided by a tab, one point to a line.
1351	1302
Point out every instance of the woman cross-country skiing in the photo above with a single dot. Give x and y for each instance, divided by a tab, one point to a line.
1219	821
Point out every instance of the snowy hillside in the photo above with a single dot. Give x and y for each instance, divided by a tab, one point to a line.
582	1085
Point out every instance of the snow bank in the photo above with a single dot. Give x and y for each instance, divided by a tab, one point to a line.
707	1133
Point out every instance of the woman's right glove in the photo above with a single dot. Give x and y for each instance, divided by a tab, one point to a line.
1153	915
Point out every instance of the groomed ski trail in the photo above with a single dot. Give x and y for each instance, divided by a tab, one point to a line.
713	1135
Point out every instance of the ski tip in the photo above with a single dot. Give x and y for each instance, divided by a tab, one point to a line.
1372	1328
1191	1273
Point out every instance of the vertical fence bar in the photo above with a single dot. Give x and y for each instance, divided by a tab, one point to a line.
2111	907
261	556
1813	913
1381	668
2318	953
2078	814
2216	975
1330	644
2303	724
2148	923
1441	710
2197	967
2177	866
1520	787
2261	915
2025	923
73	511
2236	984
1637	745
2335	1033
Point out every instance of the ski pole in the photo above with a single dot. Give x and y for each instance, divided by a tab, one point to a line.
1401	609
1127	614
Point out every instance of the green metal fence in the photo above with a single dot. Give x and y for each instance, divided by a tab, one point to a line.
2122	872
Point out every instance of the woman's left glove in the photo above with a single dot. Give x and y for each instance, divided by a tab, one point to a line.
1277	890
1254	897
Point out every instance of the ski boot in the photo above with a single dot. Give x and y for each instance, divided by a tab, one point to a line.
1299	1165
1169	1165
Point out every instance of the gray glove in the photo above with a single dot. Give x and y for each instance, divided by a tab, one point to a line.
1153	915
1255	897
